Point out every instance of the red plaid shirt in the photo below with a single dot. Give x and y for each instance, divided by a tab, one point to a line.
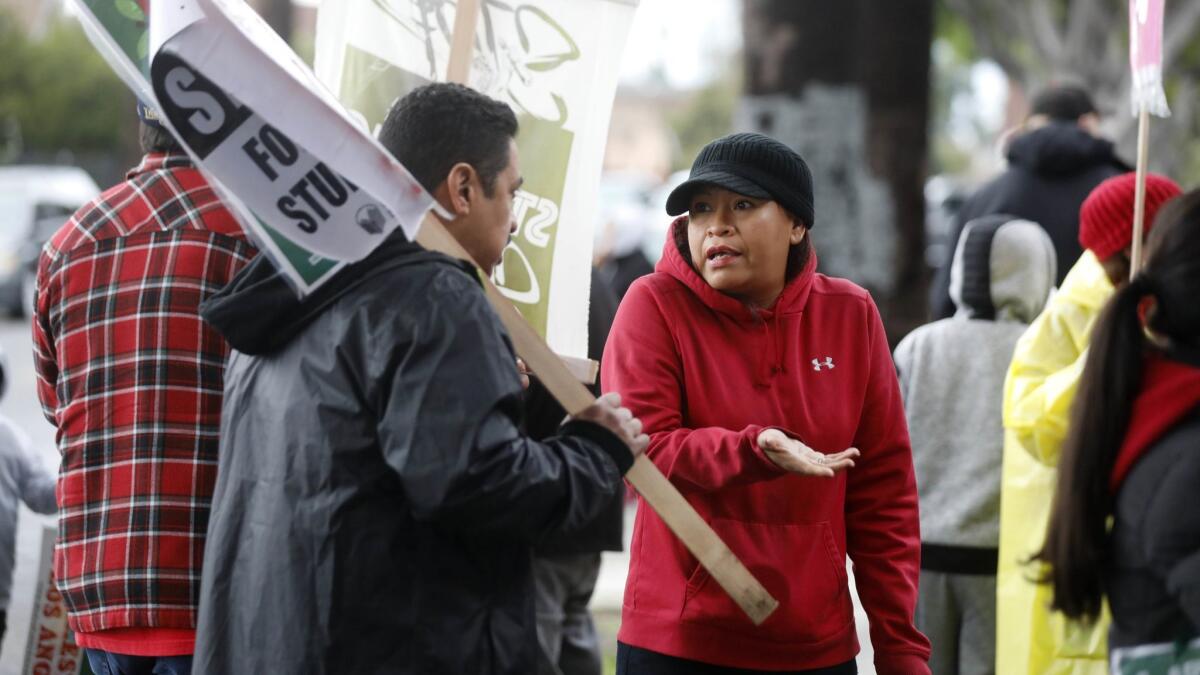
132	378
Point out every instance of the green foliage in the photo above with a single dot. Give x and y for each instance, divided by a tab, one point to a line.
131	10
59	91
950	28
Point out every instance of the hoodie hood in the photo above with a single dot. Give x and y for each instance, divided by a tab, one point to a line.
765	328
259	311
1061	149
1003	269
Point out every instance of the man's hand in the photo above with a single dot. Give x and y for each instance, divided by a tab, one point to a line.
792	455
608	413
523	373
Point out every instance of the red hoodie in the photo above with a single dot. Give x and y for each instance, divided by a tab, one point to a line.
706	374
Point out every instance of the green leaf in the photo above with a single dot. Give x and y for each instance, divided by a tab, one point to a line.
143	45
130	10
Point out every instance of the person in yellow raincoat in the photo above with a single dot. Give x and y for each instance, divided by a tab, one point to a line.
1038	392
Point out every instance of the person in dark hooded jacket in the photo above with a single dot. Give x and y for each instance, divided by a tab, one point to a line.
1053	164
952	379
1124	526
376	504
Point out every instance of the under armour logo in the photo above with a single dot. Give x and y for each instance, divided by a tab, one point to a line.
826	365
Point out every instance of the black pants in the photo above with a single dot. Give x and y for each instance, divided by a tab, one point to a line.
638	661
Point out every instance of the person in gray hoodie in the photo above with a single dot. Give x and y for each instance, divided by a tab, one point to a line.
952	380
23	478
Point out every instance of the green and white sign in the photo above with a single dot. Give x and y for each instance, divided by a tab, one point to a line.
554	62
312	187
1177	658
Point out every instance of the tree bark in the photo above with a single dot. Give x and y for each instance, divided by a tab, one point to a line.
846	84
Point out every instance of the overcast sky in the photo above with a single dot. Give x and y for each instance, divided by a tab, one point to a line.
686	39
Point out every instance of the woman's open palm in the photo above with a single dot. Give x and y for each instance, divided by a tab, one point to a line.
793	456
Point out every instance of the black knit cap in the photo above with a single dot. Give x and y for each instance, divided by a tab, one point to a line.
1063	102
752	165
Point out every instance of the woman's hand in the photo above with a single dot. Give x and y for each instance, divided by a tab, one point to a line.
793	456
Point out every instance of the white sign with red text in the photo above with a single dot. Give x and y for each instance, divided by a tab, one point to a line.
1145	57
50	648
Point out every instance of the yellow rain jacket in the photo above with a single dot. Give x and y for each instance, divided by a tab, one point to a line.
1038	391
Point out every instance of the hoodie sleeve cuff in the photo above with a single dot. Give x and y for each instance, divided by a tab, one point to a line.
901	664
610	443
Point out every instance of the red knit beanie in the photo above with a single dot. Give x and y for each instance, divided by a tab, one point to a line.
1106	217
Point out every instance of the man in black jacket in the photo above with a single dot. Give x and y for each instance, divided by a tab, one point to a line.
376	504
1053	164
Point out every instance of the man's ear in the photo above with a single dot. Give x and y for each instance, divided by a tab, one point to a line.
458	190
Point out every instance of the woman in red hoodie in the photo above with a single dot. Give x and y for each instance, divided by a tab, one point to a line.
760	382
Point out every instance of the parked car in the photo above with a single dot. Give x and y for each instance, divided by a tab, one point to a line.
29	196
31	250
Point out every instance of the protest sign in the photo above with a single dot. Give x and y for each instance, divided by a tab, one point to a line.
1145	57
288	186
553	61
120	31
1148	97
50	648
286	190
1181	658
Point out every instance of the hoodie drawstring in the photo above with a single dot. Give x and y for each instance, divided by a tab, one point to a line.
779	346
763	356
770	359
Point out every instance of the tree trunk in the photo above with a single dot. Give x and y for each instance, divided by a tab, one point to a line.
846	84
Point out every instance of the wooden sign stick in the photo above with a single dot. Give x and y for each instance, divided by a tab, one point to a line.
676	512
462	46
1139	193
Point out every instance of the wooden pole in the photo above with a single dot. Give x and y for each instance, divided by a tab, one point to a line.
462	46
1139	198
722	565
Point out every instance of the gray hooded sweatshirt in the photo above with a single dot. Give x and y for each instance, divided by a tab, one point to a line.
952	379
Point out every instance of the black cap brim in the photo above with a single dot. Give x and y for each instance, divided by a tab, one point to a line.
679	201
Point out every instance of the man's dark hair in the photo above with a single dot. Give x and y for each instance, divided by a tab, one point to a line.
154	138
1063	102
439	125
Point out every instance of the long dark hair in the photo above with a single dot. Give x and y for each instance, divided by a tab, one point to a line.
1077	538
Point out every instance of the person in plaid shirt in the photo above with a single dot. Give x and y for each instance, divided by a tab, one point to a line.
132	379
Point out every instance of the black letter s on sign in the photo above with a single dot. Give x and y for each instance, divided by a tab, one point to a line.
287	206
209	116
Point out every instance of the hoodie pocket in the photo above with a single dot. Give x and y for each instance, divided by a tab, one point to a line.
799	566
